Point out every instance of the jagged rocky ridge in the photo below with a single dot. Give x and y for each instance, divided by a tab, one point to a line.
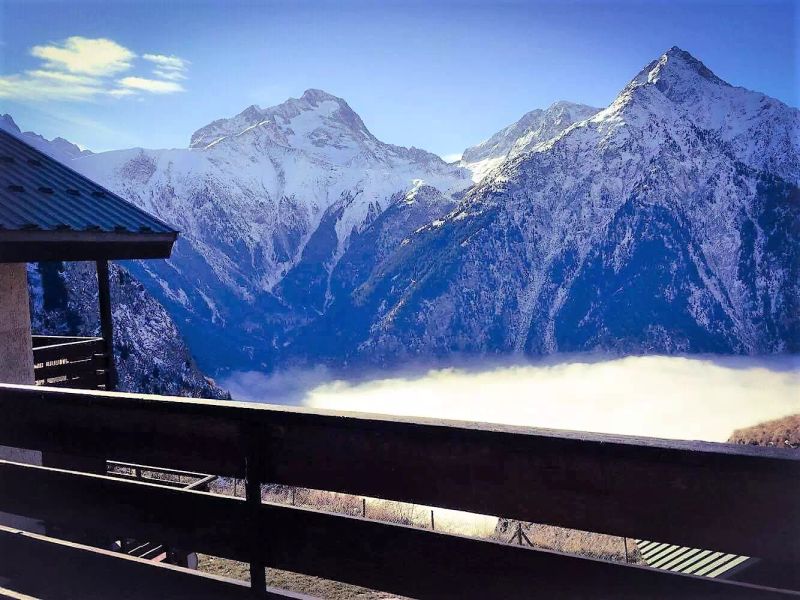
58	147
534	128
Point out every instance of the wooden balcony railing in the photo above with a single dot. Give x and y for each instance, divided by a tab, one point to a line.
736	499
71	362
157	550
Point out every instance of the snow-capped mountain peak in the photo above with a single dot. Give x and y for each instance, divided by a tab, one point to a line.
677	65
535	127
663	223
677	89
266	201
677	201
315	119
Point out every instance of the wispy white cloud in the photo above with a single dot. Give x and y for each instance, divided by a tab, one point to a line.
121	92
168	67
155	86
451	157
77	54
39	85
81	69
61	77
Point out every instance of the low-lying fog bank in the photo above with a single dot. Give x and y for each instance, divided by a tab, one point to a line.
700	398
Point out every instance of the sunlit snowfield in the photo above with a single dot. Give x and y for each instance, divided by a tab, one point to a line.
704	398
670	397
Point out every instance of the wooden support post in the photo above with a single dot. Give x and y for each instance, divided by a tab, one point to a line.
433	524
625	541
252	486
363	507
106	321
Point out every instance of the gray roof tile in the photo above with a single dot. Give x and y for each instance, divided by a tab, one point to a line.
38	193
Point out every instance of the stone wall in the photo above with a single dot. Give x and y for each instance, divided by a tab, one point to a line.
16	362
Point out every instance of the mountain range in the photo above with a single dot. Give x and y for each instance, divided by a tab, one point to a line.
666	222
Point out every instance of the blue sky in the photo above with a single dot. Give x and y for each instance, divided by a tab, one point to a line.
437	75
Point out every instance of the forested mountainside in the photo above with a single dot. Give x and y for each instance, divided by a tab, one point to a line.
151	356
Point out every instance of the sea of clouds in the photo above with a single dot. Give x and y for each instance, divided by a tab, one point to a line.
694	398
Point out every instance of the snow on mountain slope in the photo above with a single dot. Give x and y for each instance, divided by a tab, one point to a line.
535	127
248	196
665	223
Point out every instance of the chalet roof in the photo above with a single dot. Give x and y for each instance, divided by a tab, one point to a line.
50	212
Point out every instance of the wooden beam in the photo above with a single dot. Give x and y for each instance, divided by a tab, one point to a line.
75	350
687	493
255	535
92	506
75	368
43	246
43	567
50	340
140	468
7	593
425	564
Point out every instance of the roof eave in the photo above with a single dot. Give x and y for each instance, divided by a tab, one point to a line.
20	246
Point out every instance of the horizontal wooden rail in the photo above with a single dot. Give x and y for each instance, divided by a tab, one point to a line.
6	593
51	340
199	484
74	350
112	508
202	481
70	362
42	567
393	558
736	499
138	467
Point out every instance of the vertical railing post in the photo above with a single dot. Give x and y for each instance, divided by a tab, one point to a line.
106	321
254	470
